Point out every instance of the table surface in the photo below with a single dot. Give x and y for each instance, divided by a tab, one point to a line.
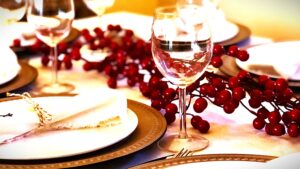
231	134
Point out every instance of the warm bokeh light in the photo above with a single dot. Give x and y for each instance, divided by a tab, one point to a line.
276	19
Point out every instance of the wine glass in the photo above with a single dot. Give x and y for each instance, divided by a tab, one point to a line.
52	20
182	49
11	11
98	6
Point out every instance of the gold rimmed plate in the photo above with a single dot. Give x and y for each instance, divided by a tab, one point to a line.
231	68
210	161
151	127
243	34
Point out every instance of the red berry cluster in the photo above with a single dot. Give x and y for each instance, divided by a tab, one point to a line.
131	59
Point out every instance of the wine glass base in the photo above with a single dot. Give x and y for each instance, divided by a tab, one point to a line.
174	144
57	88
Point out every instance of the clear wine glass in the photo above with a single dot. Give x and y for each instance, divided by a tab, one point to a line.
52	20
182	49
98	6
11	11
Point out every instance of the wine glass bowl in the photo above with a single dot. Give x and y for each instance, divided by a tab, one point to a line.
181	49
12	11
98	6
52	20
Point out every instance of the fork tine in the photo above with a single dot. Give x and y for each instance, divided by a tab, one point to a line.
179	153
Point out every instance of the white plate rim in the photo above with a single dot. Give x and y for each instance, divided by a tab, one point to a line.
11	73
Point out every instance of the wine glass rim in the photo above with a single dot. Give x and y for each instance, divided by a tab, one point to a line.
166	11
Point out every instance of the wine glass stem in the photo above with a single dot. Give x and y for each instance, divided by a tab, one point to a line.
53	54
182	113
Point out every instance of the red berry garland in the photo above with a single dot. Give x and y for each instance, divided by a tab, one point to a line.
130	55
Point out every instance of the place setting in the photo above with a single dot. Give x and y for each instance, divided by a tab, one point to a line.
264	60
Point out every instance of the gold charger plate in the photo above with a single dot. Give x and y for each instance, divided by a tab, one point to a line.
26	76
205	158
231	68
151	127
243	34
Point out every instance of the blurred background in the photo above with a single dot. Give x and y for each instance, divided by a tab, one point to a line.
276	19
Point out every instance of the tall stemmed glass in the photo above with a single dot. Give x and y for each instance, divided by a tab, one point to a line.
98	6
53	22
182	49
11	11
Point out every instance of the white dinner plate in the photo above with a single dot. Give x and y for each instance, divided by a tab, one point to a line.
54	144
9	66
281	59
224	30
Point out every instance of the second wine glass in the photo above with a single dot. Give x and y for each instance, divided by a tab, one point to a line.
52	20
182	49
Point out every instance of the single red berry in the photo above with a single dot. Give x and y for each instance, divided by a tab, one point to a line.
238	93
171	108
242	55
270	85
269	95
218	83
75	53
233	82
232	51
68	64
216	61
200	105
224	96
218	50
155	94
259	123
62	47
256	94
129	33
274	117
87	66
269	128
281	84
170	117
229	107
195	120
262	113
169	93
112	82
288	93
145	89
294	115
203	126
262	79
85	31
254	103
45	60
293	130
16	43
243	74
154	82
278	130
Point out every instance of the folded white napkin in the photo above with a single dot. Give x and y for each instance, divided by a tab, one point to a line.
81	111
